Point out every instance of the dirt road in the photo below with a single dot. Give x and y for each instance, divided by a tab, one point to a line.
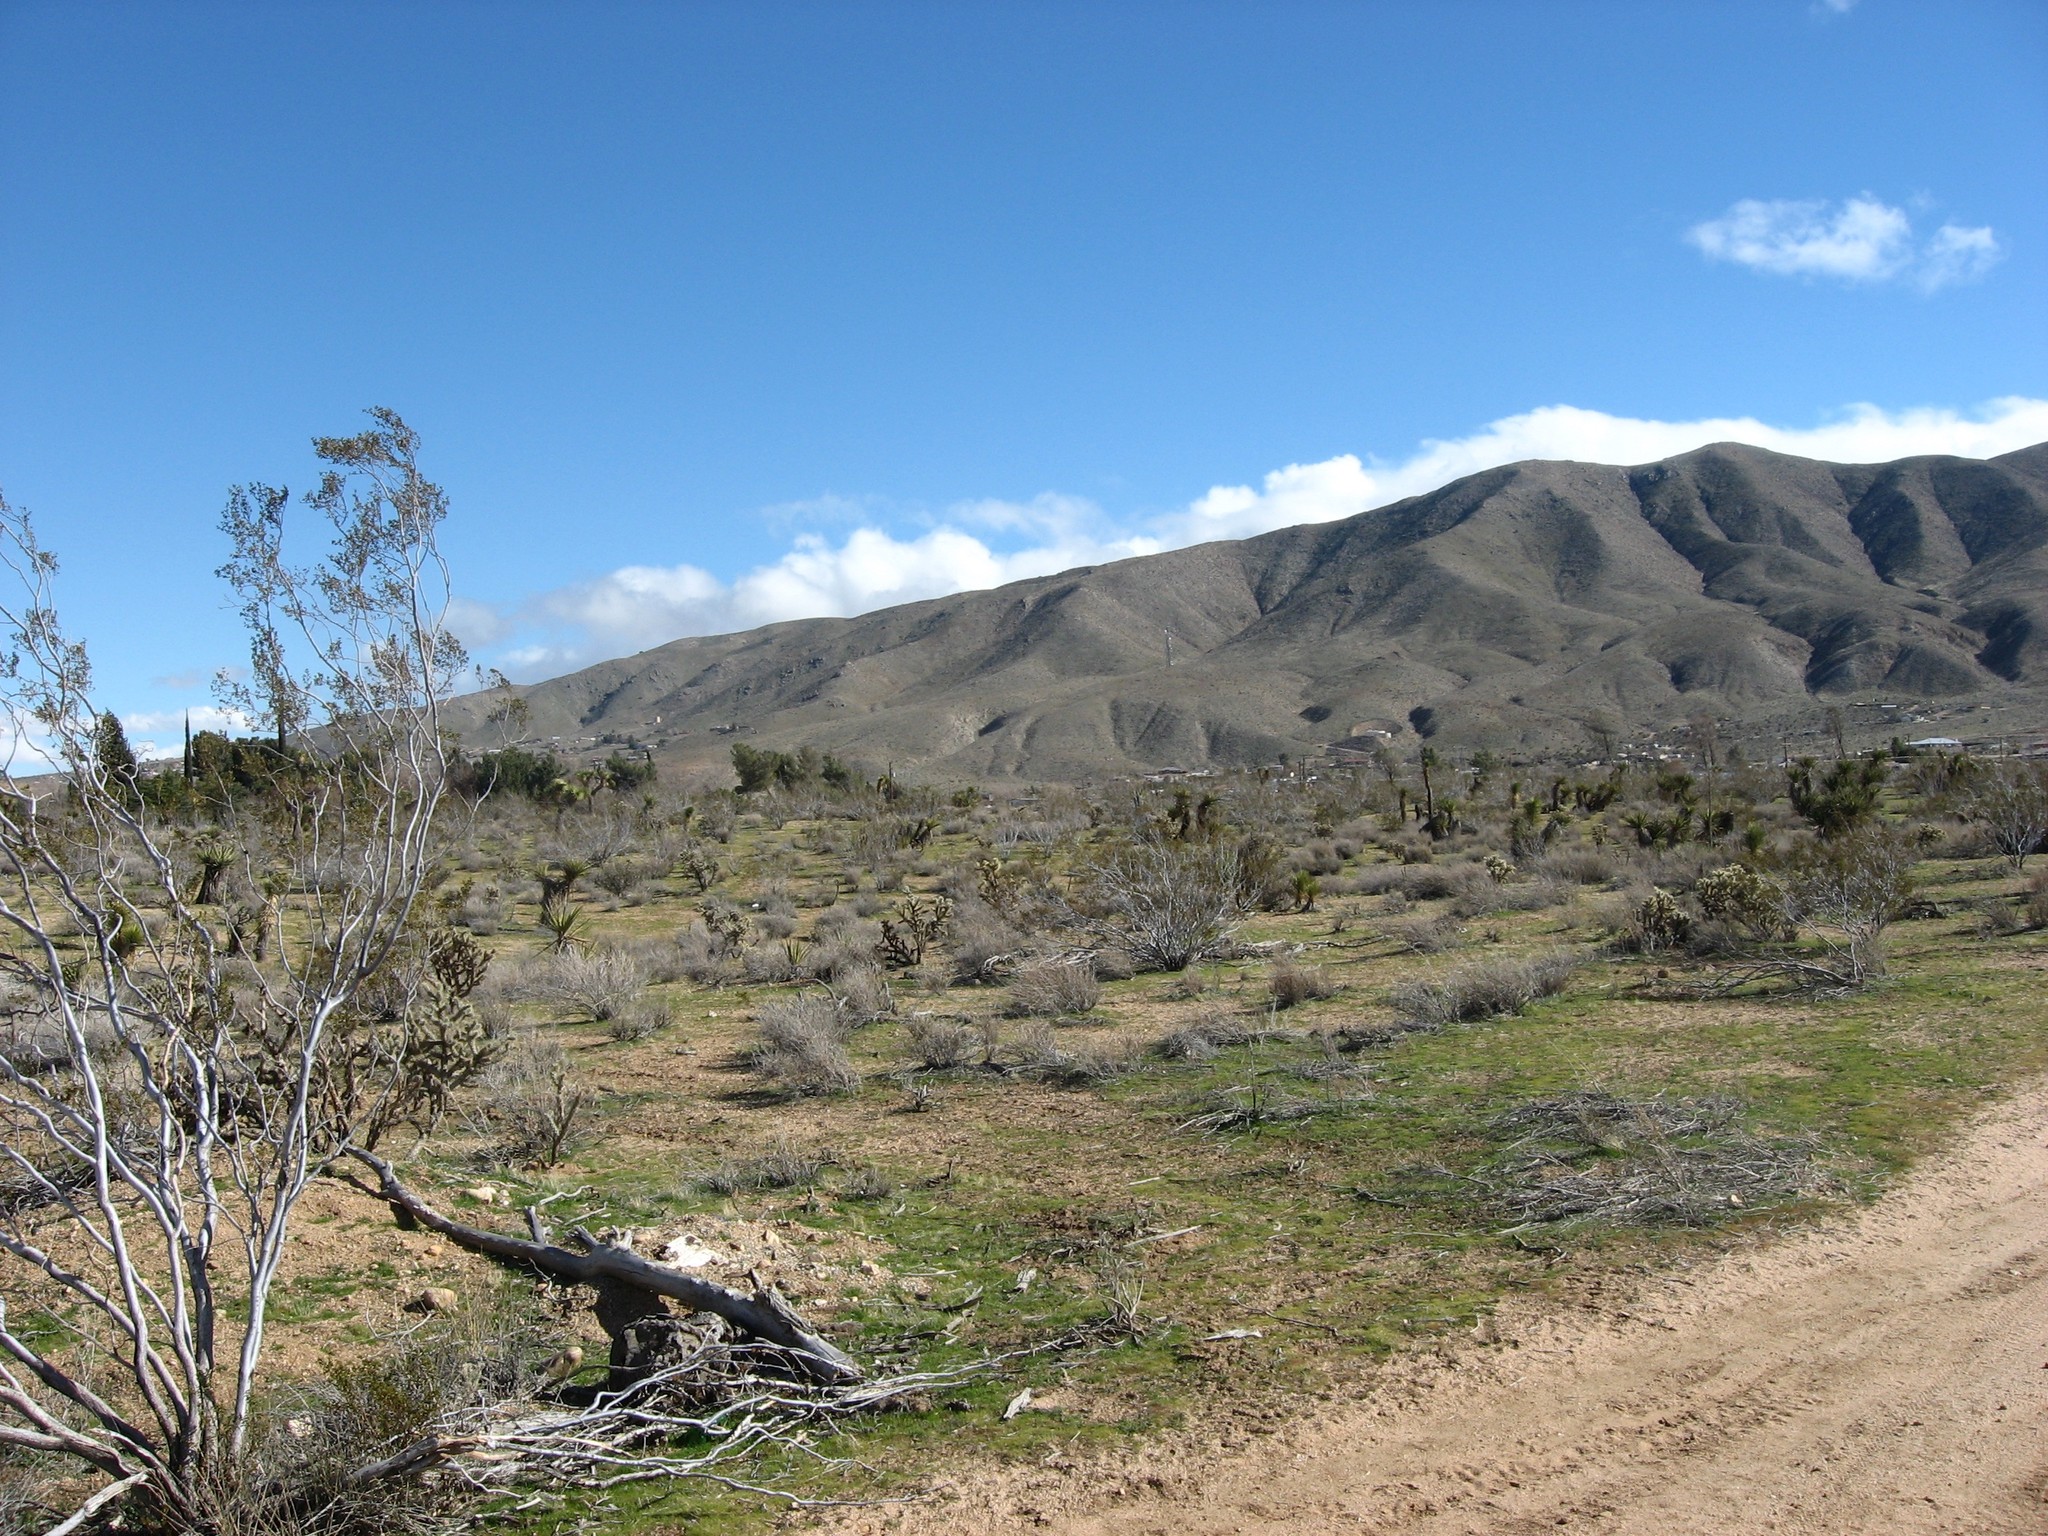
1887	1373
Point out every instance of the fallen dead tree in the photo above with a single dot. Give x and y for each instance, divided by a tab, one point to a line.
688	1397
631	1290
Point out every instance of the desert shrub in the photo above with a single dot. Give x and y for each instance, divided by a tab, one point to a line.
598	982
1319	858
867	1182
835	921
1580	866
706	960
980	938
779	1165
1426	935
623	879
1291	982
1537	895
1202	1040
483	910
1037	1054
861	993
800	1047
1053	989
774	925
1486	990
1997	917
532	1107
776	899
660	960
1112	965
2035	902
639	1019
941	1045
845	949
767	965
493	1349
1165	904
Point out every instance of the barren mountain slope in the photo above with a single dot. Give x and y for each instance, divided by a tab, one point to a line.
1510	607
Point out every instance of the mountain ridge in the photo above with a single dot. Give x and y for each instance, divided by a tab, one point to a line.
1514	608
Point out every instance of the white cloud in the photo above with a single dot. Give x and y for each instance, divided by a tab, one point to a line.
640	606
1958	254
1860	240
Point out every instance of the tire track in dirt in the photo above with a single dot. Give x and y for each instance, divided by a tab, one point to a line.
1887	1371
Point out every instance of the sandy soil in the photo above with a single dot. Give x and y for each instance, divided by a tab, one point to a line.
1885	1373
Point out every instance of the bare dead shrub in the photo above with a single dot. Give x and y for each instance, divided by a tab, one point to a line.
1053	989
1485	990
861	993
1208	1037
598	982
1036	1053
800	1047
640	1018
779	1165
1426	935
944	1045
1291	982
532	1105
1165	904
2009	802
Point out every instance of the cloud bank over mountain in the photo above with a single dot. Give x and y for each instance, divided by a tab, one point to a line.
980	544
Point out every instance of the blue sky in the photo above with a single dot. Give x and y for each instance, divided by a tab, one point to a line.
710	315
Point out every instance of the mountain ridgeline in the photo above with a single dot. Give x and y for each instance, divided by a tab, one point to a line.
1521	608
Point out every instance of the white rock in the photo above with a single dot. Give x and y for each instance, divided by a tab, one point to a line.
686	1252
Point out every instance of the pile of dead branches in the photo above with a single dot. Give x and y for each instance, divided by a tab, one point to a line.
1254	1106
1594	1156
1590	1156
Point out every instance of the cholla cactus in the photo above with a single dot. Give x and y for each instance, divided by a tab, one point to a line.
1499	868
1738	894
1661	922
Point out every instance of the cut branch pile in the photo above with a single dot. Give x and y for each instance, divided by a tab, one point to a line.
1597	1157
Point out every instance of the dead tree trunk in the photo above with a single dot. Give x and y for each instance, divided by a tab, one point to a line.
611	1269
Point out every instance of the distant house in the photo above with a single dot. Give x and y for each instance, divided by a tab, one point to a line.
1938	743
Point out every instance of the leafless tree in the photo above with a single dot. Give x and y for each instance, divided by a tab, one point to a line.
2010	802
1167	904
1844	893
163	1106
